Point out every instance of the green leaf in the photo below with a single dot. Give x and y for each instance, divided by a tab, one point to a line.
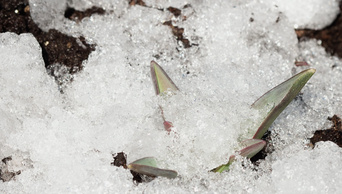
161	81
272	103
147	161
148	166
224	167
252	147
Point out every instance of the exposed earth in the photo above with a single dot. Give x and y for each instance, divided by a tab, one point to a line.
68	51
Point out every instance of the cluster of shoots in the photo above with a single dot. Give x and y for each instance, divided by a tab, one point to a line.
270	105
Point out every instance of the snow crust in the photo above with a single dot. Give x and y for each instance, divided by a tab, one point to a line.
63	143
309	14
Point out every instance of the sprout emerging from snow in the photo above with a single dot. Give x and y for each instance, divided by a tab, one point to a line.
273	102
162	83
270	105
148	166
251	147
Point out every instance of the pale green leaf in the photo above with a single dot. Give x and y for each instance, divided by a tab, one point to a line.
224	167
148	166
272	103
251	147
161	81
147	161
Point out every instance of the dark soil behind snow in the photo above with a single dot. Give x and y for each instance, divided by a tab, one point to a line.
56	46
72	51
333	134
330	36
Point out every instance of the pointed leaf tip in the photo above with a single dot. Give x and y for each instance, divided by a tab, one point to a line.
273	102
311	70
161	81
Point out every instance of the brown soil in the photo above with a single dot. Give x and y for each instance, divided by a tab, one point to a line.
66	50
268	149
137	2
77	15
330	36
5	174
120	159
333	134
56	46
175	11
178	32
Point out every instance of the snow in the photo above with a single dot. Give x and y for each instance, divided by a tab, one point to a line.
302	177
309	14
63	143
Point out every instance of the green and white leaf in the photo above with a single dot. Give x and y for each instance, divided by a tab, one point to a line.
148	166
224	167
147	161
252	147
272	103
161	81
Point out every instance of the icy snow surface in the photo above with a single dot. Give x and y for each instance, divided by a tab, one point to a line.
63	143
310	14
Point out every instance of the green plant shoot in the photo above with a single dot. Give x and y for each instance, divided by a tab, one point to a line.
162	83
148	166
252	147
271	104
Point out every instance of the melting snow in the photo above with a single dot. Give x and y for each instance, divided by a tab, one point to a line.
63	143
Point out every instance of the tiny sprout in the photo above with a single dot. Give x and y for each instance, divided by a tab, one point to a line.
270	105
148	166
252	147
162	83
273	102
